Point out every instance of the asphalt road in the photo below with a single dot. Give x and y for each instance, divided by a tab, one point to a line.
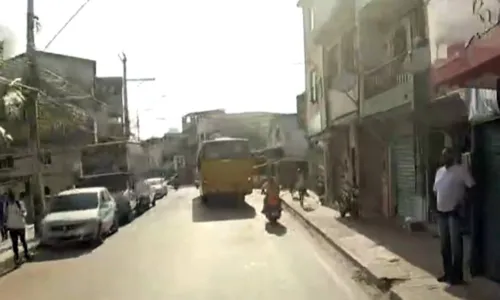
184	250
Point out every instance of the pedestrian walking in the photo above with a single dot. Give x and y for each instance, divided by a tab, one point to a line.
450	185
301	186
16	225
3	228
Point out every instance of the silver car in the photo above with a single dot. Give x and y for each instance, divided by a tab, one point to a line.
80	215
159	187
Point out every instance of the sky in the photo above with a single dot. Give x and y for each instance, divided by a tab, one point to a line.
236	55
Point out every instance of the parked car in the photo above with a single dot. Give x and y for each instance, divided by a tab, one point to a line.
121	188
127	204
145	196
159	187
80	215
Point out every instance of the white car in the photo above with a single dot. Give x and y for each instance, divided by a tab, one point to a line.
145	196
159	186
80	215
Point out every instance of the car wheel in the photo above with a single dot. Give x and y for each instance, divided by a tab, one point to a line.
99	238
116	225
130	215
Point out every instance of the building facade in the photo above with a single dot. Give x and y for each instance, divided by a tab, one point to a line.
286	133
466	61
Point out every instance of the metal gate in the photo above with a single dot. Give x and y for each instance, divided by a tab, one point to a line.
488	147
403	175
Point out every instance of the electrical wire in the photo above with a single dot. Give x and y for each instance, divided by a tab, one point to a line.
67	23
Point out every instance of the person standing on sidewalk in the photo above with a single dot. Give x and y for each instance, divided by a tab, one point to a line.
16	225
301	186
3	228
450	185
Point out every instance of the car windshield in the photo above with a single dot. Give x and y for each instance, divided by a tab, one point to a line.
232	149
72	202
153	181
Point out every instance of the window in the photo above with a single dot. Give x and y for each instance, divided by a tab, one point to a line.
418	25
277	135
311	18
333	64
347	46
226	150
399	42
314	88
7	162
1	52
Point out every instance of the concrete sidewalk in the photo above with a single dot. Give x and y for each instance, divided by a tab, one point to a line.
6	255
404	264
30	235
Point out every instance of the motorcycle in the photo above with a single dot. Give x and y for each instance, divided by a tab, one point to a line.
273	211
348	200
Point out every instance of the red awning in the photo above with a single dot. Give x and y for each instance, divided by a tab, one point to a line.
481	58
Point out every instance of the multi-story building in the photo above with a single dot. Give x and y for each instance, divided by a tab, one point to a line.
285	132
66	121
110	121
371	86
190	131
163	150
251	125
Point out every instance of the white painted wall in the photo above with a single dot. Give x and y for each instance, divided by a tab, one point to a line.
340	103
57	175
285	132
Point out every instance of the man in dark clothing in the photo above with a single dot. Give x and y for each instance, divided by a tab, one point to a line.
3	217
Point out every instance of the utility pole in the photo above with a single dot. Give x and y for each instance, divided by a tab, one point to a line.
138	126
125	79
36	191
126	116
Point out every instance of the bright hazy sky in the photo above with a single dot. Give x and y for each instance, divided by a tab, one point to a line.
232	54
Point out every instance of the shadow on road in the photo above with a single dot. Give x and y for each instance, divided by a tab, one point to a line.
50	254
276	229
220	210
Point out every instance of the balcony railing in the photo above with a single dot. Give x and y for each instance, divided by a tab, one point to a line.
385	77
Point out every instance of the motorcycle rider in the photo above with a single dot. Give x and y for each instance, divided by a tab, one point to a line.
272	192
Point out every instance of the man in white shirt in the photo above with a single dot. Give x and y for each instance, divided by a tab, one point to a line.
16	225
450	185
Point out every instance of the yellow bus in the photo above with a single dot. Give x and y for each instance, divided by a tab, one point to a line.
225	167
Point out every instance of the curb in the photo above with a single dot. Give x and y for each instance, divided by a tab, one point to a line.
372	279
7	265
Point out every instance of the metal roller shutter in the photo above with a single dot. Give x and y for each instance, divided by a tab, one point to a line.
403	159
490	146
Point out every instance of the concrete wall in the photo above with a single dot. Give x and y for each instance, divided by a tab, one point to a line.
169	145
341	104
398	96
58	175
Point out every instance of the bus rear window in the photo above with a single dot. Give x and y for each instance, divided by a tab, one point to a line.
226	150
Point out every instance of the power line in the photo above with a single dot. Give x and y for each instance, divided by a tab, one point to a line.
67	23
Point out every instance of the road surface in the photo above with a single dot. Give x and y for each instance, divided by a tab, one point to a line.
183	250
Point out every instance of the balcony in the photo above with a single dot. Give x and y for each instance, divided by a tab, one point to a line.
387	87
385	77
